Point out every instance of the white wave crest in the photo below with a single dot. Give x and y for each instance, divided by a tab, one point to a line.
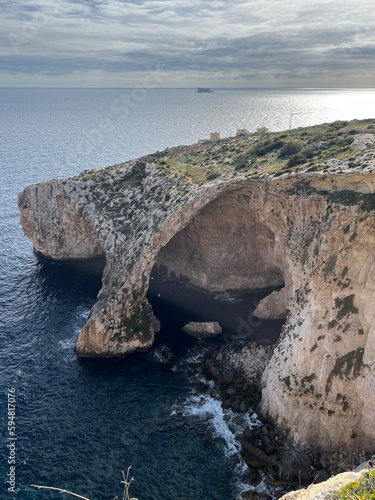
226	424
226	297
67	343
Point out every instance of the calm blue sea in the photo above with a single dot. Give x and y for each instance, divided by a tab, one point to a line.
79	423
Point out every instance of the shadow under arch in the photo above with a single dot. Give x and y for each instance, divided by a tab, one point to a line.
70	277
227	258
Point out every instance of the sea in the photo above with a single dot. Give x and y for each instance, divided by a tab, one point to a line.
77	424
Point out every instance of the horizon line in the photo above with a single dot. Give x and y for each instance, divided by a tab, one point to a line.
190	88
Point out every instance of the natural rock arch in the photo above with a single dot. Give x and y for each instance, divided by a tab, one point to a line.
243	249
227	246
314	231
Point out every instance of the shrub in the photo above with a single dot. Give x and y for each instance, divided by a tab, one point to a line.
241	166
337	125
241	161
310	153
364	489
345	142
262	148
213	175
295	160
314	168
289	149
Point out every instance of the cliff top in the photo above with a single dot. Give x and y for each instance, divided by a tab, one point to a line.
337	147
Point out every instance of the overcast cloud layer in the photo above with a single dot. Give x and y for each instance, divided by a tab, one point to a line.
221	43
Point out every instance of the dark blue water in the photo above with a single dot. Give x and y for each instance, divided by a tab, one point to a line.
79	423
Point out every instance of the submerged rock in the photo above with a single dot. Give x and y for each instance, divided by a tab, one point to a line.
202	330
164	354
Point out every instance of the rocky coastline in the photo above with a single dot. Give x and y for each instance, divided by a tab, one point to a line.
236	370
289	212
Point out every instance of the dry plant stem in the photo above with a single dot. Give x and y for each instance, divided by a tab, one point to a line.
60	491
126	482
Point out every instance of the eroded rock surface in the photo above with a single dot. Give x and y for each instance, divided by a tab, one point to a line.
237	215
203	330
274	306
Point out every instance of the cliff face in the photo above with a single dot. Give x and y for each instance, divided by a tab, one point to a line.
318	381
222	217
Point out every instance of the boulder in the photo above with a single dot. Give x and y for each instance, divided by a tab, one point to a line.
319	476
295	466
203	330
231	391
256	457
274	306
228	377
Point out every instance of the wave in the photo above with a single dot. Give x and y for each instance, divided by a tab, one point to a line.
226	424
85	314
66	344
226	297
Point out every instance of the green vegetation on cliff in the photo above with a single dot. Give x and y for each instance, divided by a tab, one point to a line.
335	147
364	489
309	149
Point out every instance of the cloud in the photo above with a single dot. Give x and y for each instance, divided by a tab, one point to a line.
244	41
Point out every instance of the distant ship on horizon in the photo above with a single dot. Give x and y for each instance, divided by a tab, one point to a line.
202	90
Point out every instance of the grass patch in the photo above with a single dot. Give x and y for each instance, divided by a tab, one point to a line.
195	173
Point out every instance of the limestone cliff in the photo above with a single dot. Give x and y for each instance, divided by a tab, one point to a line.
293	210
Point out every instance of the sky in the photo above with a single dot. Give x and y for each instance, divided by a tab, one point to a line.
176	43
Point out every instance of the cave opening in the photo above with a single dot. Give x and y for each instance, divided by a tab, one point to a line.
176	304
72	275
91	267
218	268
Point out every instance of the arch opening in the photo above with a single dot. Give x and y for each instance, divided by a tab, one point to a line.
220	266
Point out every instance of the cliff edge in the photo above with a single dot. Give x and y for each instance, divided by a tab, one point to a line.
293	211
